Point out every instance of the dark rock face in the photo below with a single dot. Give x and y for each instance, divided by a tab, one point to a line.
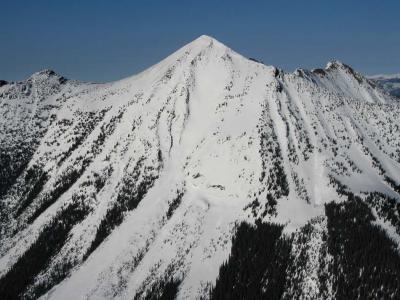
319	72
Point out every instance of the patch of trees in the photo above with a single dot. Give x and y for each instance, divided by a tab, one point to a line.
300	187
310	255
256	268
365	261
393	184
270	151
386	207
129	197
341	188
175	204
71	175
12	164
277	180
100	179
274	176
35	179
38	256
162	290
86	124
270	205
68	178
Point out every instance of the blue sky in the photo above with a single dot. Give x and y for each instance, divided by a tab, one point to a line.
108	40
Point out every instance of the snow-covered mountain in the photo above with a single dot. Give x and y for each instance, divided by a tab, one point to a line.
209	175
389	83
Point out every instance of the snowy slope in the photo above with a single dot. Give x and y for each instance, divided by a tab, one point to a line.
144	180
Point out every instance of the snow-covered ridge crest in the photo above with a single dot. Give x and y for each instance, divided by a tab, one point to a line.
142	182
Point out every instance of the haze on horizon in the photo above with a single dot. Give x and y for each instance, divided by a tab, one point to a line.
104	41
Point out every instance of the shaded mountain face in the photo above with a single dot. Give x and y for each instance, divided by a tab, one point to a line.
209	175
389	83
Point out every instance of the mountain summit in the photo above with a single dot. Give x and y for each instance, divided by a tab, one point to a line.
209	175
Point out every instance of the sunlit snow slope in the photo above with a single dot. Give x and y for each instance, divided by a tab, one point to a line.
122	189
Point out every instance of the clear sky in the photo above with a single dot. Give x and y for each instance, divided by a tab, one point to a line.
108	40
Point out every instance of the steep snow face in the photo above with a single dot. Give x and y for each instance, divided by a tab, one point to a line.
150	175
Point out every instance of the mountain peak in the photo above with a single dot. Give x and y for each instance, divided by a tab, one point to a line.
203	46
205	41
44	72
335	64
205	37
45	75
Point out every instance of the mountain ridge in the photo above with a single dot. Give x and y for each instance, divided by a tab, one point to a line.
203	42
